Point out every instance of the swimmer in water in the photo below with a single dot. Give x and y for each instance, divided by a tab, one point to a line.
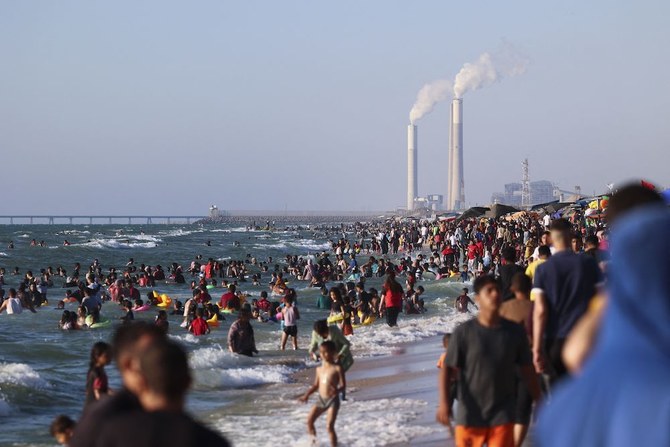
329	382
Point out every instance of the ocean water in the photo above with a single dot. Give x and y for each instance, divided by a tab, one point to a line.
43	369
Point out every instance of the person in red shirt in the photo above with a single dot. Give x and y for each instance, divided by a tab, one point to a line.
473	250
132	293
199	325
209	269
392	293
263	303
226	297
205	297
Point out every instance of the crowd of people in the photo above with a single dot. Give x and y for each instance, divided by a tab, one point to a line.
540	288
583	336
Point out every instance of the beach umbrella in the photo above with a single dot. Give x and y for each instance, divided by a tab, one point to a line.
499	210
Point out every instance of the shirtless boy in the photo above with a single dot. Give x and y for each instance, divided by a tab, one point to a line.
329	382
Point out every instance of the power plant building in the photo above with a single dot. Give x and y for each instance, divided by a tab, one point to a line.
541	191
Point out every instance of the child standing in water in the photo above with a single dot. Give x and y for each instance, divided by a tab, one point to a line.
290	316
329	382
96	380
199	326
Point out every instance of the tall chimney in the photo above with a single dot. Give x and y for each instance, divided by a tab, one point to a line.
412	177
456	193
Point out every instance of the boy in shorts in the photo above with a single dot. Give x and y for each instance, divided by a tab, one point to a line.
329	382
487	351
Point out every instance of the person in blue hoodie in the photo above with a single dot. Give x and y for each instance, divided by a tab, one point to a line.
621	397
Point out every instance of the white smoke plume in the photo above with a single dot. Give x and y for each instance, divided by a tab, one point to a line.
428	96
486	70
489	68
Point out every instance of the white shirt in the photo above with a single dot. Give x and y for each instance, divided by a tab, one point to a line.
14	306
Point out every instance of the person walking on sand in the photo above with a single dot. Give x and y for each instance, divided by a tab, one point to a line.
488	351
330	382
562	288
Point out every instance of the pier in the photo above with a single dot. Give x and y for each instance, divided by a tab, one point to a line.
95	220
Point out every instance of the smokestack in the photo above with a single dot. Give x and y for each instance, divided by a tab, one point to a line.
456	193
412	177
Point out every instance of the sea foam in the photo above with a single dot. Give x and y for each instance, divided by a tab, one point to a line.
20	374
359	424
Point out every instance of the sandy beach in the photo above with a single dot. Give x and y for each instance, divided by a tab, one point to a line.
408	372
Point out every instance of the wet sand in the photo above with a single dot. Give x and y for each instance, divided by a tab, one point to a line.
409	372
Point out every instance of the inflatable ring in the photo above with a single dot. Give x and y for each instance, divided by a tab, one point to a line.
335	318
101	324
214	321
164	301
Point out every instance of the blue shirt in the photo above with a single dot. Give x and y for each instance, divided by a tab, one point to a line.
568	281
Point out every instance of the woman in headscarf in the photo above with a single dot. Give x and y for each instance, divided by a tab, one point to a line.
622	395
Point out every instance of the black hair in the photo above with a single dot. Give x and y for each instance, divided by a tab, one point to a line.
446	337
509	254
164	365
521	283
61	424
321	326
126	336
99	348
483	281
329	345
630	197
544	250
561	225
591	240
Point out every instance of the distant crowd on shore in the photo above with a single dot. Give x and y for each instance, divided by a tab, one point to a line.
582	333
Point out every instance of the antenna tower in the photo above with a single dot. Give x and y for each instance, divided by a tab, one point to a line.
525	185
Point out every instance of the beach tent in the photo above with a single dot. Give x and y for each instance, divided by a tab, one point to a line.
521	214
542	206
556	207
447	217
475	211
499	210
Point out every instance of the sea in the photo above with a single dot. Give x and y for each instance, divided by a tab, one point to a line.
252	401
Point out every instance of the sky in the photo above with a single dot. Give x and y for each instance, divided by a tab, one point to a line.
167	107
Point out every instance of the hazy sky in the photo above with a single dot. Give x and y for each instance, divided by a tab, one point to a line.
169	106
